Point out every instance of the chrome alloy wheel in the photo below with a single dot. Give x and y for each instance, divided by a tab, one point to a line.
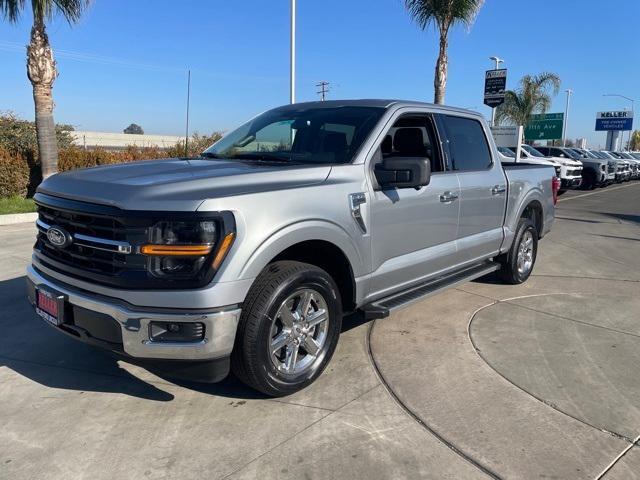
299	332
525	253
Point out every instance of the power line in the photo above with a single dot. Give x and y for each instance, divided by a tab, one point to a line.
324	89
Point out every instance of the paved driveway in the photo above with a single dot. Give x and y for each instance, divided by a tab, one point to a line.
483	381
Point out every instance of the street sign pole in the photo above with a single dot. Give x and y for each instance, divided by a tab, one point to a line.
495	84
493	109
292	53
566	119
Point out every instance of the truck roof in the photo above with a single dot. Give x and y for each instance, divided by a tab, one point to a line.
376	102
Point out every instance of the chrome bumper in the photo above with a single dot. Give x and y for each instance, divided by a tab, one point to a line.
219	336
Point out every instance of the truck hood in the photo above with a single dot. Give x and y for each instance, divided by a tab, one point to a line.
176	184
567	162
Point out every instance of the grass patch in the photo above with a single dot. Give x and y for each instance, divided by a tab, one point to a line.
16	205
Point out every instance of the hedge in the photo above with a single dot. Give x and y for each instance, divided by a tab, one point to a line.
14	175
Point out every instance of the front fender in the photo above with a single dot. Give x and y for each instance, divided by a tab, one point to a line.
299	232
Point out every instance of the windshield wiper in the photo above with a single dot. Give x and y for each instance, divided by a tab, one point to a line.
210	155
261	157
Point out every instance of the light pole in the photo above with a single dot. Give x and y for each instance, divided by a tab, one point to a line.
493	109
566	118
632	108
292	72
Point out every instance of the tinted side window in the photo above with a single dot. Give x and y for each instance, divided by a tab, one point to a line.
467	144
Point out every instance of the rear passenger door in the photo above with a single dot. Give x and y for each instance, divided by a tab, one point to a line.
483	187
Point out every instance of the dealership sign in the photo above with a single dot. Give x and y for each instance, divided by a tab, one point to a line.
495	84
614	121
545	127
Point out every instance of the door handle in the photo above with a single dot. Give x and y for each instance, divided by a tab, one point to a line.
448	197
498	190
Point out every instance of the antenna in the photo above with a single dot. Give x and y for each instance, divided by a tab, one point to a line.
186	137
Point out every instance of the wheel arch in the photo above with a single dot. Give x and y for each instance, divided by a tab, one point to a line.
318	243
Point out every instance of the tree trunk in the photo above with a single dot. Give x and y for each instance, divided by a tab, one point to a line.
442	64
41	70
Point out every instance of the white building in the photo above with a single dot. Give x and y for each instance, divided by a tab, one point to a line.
118	141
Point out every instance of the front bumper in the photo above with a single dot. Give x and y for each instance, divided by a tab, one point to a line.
121	328
570	182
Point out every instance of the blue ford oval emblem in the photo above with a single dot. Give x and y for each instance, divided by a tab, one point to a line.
59	237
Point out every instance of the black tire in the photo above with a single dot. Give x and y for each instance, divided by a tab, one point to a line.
251	359
589	180
562	192
509	272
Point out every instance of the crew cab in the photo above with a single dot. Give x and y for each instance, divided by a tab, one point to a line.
248	256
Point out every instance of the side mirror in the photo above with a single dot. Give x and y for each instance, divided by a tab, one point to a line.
403	172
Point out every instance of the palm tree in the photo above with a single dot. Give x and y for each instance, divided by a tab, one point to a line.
444	14
534	96
41	67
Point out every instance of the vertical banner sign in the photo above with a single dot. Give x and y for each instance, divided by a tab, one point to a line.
495	84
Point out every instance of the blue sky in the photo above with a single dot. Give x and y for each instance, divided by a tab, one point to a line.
126	60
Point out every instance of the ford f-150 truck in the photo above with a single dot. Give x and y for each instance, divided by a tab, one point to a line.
247	257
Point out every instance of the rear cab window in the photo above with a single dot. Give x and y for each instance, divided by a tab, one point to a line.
468	146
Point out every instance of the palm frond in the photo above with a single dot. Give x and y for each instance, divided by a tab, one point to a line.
534	95
71	10
444	13
11	9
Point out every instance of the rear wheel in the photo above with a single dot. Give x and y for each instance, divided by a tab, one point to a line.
288	329
589	180
517	264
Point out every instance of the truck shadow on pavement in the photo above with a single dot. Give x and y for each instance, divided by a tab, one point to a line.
34	350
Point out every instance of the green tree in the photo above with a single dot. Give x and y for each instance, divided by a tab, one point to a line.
534	95
134	129
443	14
635	141
41	67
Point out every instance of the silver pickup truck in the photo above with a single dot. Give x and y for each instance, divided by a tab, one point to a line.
247	257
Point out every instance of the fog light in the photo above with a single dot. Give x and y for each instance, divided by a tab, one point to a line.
176	332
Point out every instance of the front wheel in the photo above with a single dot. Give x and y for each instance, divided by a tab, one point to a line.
289	328
517	264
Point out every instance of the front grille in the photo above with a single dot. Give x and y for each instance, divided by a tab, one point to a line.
83	223
574	173
102	243
611	169
90	255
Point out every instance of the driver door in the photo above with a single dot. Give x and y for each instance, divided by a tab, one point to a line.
413	231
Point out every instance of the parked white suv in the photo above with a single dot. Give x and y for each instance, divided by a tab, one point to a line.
570	169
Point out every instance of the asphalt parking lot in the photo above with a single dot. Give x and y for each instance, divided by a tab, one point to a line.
483	381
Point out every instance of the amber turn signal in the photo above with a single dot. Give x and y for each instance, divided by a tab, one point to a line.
223	250
176	250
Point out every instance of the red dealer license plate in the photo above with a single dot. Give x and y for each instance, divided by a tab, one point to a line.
49	306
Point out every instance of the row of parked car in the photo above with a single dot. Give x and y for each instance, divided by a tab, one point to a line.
581	168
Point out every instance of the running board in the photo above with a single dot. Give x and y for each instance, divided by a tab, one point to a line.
383	307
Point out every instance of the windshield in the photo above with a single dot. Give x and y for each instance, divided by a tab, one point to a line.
570	153
507	152
313	135
532	151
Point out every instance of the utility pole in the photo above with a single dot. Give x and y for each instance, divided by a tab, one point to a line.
323	90
292	72
186	137
493	110
566	118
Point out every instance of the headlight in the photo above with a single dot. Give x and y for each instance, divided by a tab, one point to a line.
185	249
557	171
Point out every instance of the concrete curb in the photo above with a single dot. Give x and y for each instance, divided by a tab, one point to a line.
13	218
